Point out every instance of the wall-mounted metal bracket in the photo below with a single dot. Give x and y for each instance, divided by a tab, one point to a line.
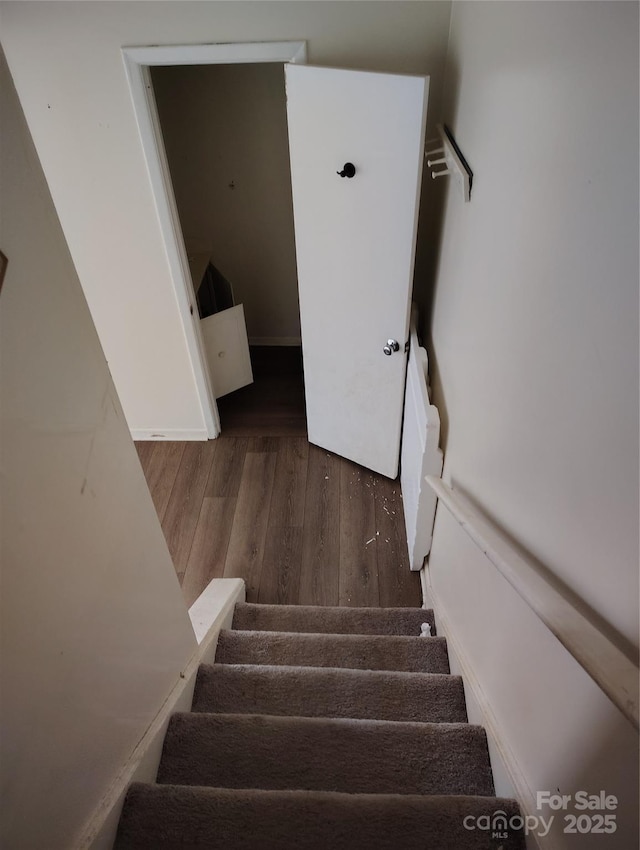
449	154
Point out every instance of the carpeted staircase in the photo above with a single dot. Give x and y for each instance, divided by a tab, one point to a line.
322	729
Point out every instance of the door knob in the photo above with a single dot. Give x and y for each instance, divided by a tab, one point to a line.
348	171
391	346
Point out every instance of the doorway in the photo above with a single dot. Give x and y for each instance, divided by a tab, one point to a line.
224	129
138	64
355	239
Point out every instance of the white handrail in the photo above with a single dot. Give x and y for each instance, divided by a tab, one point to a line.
607	665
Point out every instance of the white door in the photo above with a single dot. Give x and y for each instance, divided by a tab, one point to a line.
355	246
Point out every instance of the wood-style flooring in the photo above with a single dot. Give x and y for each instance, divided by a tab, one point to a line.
299	524
273	405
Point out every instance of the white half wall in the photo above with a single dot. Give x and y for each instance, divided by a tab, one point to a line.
95	632
534	346
68	69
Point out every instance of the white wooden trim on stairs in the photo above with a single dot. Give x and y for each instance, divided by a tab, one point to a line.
615	674
211	612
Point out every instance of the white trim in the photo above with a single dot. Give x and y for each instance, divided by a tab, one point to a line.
137	62
615	674
146	114
169	434
275	340
220	54
503	760
220	598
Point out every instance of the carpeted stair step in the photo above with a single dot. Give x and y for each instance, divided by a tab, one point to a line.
329	692
178	817
363	652
320	754
322	728
311	618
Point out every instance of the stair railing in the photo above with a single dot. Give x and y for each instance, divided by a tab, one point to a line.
608	666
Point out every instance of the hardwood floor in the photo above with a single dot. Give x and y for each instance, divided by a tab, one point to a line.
300	525
273	405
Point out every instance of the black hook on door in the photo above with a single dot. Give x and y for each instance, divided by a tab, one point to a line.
348	171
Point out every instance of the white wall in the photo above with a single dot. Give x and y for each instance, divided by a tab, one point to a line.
225	133
534	334
68	70
94	628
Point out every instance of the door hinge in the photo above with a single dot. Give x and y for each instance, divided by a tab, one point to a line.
406	346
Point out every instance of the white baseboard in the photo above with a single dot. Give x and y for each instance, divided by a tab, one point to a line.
275	340
211	612
509	778
177	434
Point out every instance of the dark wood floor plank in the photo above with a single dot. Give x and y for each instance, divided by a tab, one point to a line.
263	444
226	470
161	472
210	544
358	538
248	534
145	450
282	428
276	360
290	482
281	566
273	405
398	586
320	568
185	502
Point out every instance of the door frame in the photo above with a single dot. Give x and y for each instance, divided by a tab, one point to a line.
138	62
